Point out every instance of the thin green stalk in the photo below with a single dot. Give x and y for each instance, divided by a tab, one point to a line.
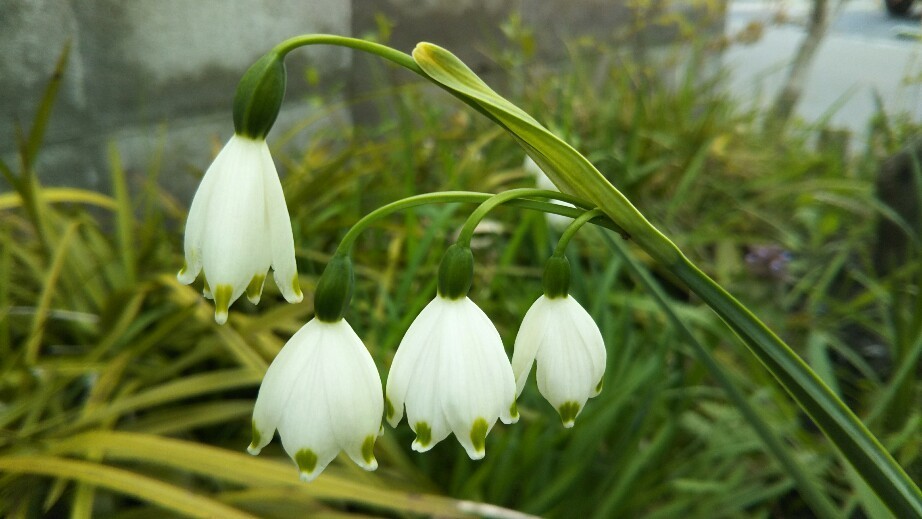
345	246
813	495
467	231
575	226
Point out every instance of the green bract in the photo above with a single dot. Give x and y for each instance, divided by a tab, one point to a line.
456	272
259	97
334	290
556	277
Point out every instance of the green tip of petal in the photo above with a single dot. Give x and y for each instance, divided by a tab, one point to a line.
256	442
222	299
514	410
307	463
423	434
479	435
388	408
255	288
568	412
368	450
182	270
296	287
598	387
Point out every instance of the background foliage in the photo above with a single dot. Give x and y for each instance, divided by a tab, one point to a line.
121	397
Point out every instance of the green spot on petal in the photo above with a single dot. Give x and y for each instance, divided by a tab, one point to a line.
184	268
598	387
222	298
255	288
205	286
257	438
306	460
568	412
479	434
368	449
296	285
423	434
389	408
514	410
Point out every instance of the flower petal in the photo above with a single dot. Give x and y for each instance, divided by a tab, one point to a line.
235	248
277	386
570	356
196	220
306	427
282	245
355	401
527	341
414	343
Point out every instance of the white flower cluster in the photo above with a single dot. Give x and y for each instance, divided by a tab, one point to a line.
322	392
451	374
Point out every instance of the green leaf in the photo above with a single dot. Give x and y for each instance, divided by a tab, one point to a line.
247	470
173	498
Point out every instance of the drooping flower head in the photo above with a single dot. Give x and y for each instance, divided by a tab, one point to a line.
322	392
450	371
238	224
567	344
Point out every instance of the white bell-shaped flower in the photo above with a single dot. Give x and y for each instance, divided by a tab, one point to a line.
323	394
452	374
239	226
568	346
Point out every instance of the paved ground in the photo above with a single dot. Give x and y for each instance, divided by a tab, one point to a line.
863	52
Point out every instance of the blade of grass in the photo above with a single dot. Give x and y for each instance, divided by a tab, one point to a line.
48	291
247	470
170	497
125	221
61	195
43	114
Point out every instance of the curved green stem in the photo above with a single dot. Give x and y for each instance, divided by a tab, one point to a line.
345	246
467	231
401	58
575	226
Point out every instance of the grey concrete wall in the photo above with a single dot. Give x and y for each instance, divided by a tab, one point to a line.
147	74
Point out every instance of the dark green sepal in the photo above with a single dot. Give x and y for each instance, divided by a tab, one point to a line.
334	290
456	272
259	97
556	277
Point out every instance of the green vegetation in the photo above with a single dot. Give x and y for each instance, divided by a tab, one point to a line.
122	397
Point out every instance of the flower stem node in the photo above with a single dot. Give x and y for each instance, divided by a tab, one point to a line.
334	290
451	374
238	227
561	336
323	394
456	272
556	277
259	96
